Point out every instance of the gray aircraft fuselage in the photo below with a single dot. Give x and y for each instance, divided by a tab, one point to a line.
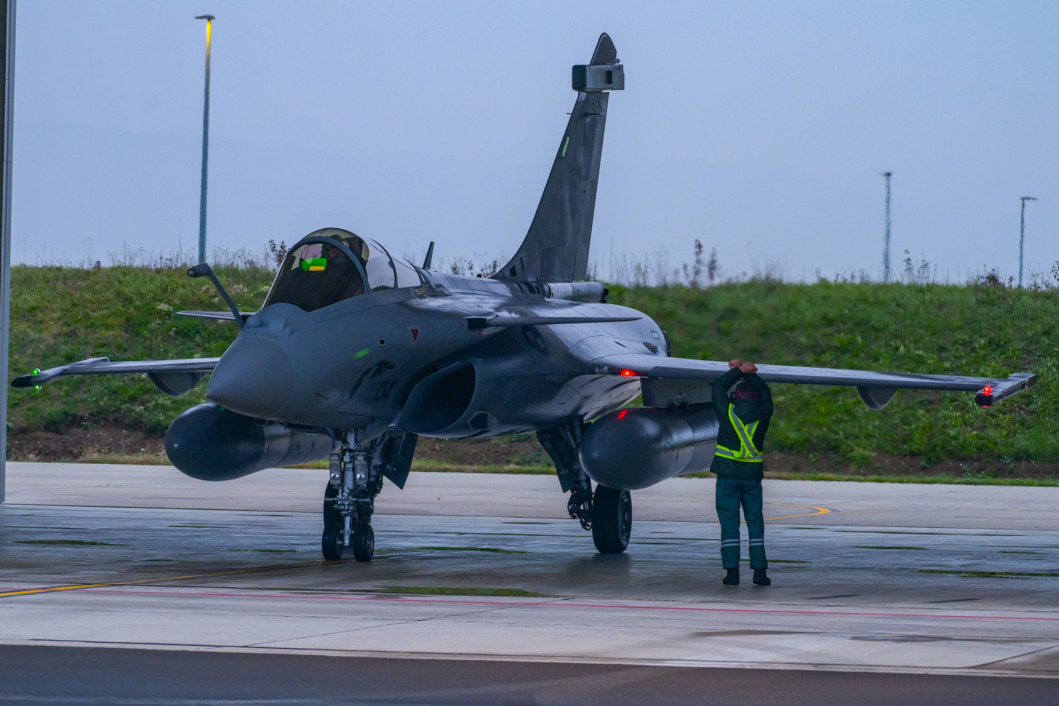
407	359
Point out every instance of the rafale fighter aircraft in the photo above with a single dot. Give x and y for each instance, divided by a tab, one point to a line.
355	354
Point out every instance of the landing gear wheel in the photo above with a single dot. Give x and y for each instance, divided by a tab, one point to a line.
363	543
331	514
611	519
331	542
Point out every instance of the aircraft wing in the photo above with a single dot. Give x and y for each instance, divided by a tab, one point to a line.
173	377
674	380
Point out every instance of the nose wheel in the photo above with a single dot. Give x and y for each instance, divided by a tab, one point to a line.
331	542
363	543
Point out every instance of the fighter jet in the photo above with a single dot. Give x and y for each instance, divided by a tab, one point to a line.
354	354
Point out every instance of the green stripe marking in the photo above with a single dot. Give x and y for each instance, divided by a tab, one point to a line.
566	143
361	354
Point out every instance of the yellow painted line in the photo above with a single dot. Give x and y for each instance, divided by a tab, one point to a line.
76	587
54	588
819	511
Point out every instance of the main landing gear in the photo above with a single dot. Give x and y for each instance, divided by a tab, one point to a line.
608	511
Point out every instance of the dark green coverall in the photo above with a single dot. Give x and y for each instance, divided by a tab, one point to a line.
739	482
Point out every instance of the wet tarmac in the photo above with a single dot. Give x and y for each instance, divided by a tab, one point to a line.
868	578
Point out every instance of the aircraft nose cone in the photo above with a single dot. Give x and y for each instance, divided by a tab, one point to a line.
254	377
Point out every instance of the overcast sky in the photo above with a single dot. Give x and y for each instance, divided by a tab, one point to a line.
760	128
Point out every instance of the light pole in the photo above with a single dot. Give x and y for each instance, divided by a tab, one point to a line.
1022	231
886	237
7	72
205	140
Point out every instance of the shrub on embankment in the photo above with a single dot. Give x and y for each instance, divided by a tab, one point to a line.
60	315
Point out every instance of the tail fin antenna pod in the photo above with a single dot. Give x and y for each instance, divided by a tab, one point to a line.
556	247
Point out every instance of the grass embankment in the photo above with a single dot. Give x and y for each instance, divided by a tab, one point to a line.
60	315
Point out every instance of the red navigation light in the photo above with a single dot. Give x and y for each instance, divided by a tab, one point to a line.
621	414
988	389
626	373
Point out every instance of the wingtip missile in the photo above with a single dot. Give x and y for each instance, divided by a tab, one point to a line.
40	377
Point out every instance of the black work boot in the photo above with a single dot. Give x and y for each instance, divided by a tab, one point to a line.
761	579
732	579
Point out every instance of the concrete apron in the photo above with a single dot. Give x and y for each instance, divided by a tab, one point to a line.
867	577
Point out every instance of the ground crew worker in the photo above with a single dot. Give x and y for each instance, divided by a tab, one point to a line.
743	419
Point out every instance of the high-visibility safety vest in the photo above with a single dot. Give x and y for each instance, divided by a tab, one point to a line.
747	453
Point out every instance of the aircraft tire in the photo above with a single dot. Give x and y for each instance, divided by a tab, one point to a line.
611	519
363	543
331	542
331	514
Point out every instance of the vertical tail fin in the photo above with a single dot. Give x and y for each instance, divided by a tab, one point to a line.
556	247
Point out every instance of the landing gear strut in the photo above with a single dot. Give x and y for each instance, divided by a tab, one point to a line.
607	512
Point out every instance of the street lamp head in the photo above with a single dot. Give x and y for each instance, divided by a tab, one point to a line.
208	18
887	174
1028	198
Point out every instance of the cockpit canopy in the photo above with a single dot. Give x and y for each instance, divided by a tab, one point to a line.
331	265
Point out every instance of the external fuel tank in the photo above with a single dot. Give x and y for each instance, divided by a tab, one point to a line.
210	442
637	447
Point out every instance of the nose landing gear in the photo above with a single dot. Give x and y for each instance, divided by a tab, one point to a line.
349	501
357	470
